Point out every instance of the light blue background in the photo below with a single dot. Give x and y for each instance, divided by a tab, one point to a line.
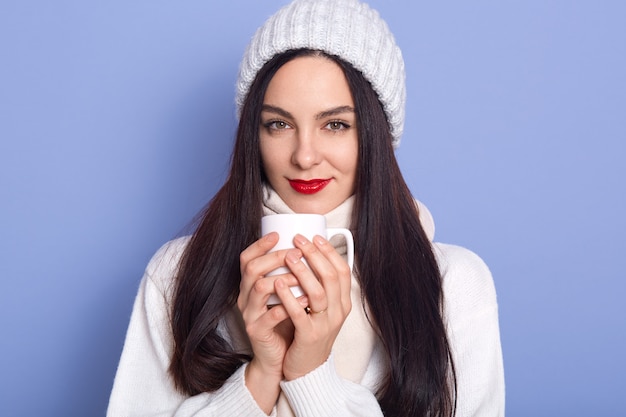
116	123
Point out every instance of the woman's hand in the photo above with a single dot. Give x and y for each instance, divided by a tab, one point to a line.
327	283
269	331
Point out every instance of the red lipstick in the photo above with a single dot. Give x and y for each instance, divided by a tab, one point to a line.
309	186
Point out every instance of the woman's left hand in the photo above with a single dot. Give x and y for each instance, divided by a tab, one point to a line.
326	281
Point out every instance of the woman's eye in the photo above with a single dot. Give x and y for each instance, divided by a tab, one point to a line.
336	125
276	125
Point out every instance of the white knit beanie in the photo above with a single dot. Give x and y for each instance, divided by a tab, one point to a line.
346	28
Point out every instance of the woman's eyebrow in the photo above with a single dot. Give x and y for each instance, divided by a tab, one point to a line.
334	111
277	110
321	115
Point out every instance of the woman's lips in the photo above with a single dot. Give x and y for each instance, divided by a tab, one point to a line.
309	186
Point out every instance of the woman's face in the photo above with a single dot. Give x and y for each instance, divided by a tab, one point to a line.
308	135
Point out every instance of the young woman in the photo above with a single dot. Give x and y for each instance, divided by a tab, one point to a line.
412	331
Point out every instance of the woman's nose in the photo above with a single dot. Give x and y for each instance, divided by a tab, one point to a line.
306	153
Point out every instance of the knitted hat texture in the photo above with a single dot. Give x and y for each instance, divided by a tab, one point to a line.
346	28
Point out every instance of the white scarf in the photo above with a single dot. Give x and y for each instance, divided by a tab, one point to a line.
355	342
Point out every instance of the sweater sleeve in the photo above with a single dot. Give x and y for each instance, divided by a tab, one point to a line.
323	393
471	314
142	385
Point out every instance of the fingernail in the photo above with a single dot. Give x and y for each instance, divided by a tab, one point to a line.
300	239
320	240
292	256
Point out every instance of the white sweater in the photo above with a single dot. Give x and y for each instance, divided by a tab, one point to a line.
344	385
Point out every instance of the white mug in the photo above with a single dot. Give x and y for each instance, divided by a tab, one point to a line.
308	225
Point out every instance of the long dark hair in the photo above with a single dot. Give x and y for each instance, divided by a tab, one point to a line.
396	266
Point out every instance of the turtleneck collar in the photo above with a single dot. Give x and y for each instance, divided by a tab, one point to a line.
337	217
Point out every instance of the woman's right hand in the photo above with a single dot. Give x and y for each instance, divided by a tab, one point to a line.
268	329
